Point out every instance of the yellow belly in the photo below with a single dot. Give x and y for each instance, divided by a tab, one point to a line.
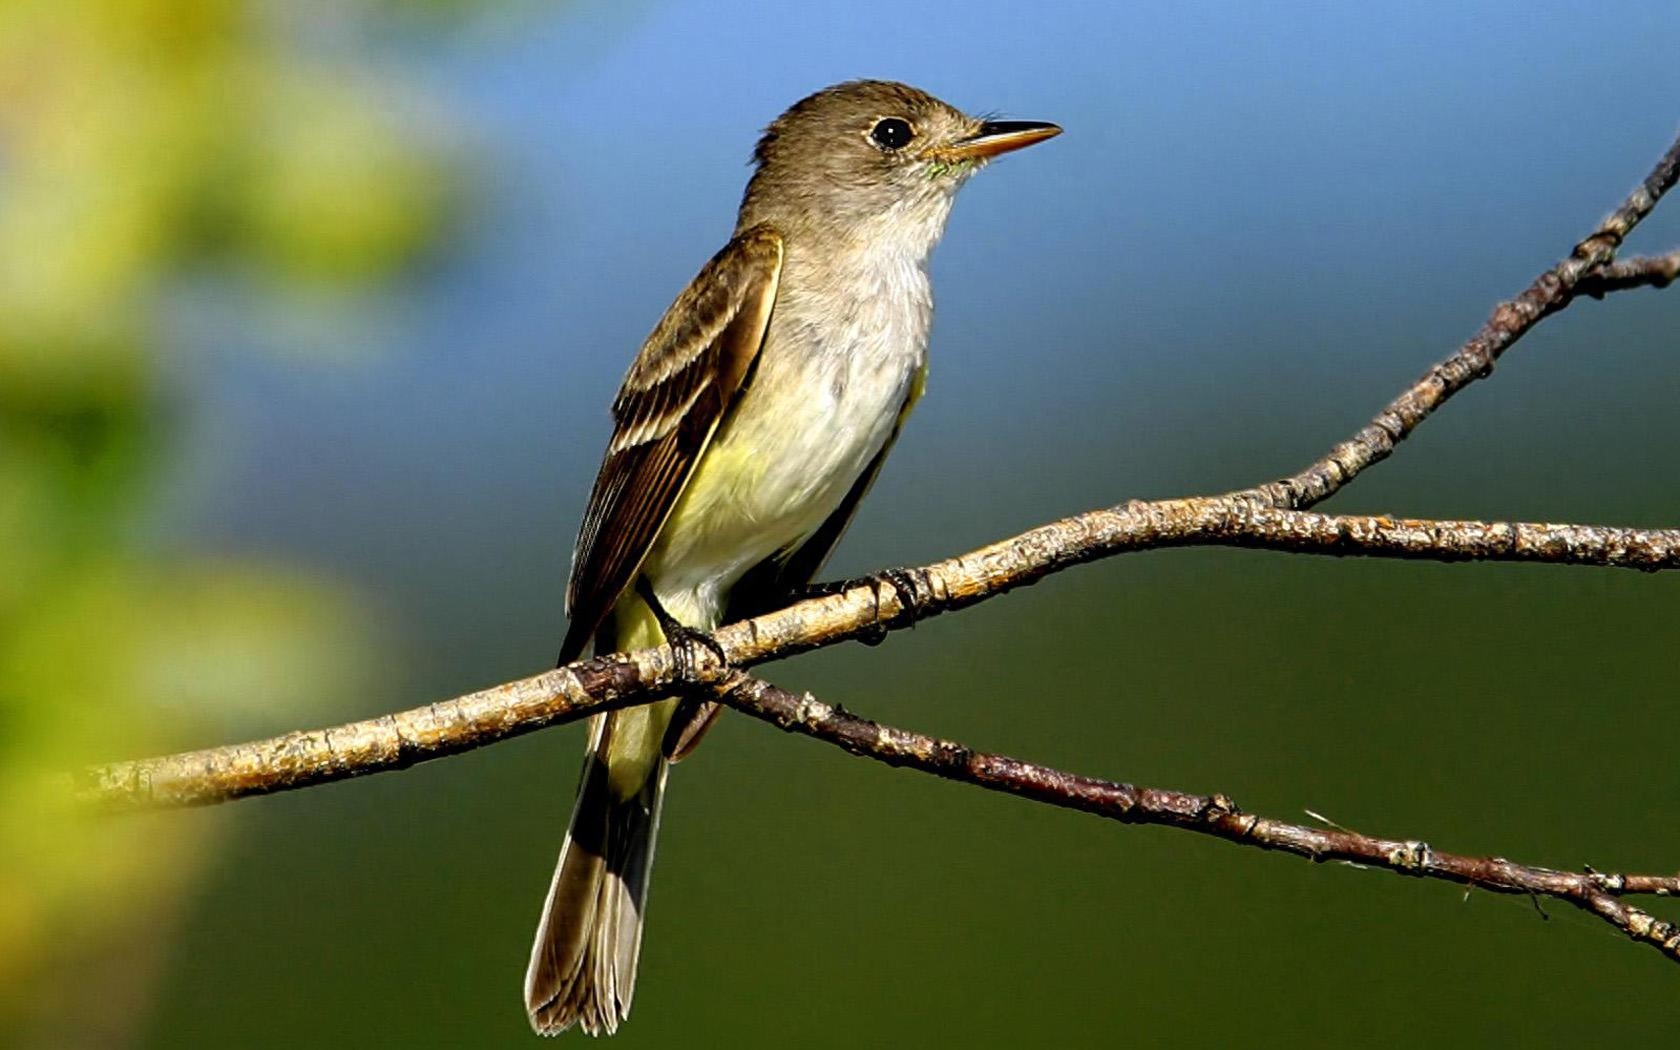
771	476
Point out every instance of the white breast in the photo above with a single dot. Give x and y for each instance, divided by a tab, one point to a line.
831	380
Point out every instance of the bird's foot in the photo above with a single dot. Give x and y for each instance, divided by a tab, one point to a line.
910	586
686	644
685	641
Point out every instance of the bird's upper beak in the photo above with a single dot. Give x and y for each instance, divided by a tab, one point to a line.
996	137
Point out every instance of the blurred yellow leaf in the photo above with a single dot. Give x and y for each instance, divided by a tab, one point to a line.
142	141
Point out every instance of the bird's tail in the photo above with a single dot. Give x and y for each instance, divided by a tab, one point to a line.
583	964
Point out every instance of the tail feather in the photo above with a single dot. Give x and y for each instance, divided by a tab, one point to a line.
583	964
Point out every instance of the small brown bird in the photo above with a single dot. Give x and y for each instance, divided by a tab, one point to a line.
751	424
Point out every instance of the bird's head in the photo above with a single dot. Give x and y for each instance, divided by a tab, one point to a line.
851	154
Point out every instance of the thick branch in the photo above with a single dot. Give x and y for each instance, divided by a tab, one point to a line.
1303	532
379	745
1595	892
398	741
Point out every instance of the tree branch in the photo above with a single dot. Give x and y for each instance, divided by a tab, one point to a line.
1647	271
1302	532
1270	516
1511	320
1597	893
400	740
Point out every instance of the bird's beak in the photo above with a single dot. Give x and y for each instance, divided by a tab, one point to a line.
997	137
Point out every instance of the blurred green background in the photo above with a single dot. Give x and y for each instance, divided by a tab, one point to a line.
309	315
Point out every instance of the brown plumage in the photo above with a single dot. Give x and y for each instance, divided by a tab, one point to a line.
685	377
747	431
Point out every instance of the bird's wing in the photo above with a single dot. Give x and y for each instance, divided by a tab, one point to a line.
679	388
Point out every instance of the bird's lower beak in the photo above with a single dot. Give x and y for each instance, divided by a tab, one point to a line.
997	137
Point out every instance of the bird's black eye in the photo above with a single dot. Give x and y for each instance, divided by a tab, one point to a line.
892	133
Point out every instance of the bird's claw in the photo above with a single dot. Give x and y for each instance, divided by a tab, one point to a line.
686	644
910	587
685	641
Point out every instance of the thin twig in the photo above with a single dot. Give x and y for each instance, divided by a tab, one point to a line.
1214	815
1510	321
1646	271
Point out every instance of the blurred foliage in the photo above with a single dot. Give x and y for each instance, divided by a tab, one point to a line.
141	141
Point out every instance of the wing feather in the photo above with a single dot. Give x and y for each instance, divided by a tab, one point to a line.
678	390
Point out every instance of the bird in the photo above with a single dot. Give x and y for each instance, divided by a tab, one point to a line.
749	427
